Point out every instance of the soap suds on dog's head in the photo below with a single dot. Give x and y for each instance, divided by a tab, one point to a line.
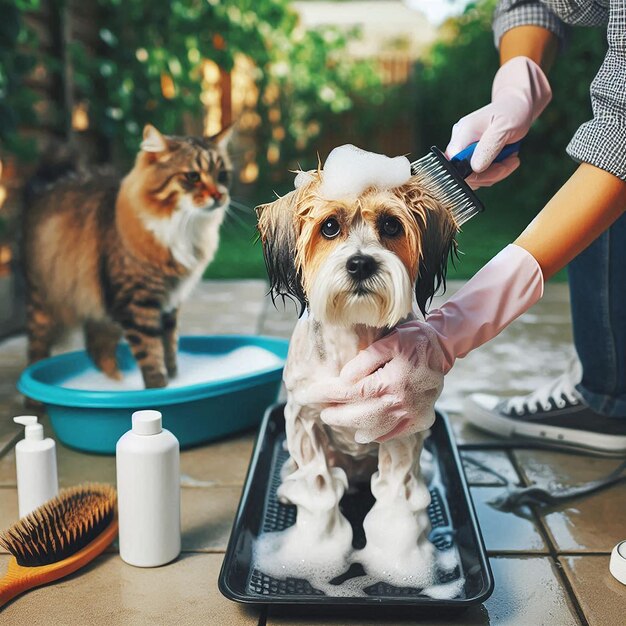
349	171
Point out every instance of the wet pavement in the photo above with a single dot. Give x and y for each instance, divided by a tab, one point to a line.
550	567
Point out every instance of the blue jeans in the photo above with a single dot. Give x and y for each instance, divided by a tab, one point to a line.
597	281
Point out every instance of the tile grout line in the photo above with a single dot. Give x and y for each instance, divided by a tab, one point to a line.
10	444
514	553
552	552
552	547
499	553
516	466
185	487
570	590
550	544
571	553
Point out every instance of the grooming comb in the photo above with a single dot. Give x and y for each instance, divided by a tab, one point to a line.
58	538
446	178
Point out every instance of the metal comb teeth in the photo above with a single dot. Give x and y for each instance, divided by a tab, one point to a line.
447	185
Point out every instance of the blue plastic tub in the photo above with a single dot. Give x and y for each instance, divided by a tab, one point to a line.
93	421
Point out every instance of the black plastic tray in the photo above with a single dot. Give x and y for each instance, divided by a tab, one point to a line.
452	517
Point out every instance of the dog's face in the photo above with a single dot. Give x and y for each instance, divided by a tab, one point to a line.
359	261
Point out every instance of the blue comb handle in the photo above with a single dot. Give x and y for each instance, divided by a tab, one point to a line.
462	160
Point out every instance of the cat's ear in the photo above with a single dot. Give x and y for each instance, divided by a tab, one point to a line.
222	139
153	140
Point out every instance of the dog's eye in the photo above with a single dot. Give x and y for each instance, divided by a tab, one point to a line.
192	177
330	228
390	227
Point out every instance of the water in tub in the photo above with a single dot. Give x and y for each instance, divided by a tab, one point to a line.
193	369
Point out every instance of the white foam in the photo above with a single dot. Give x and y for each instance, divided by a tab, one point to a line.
318	547
302	178
192	369
409	560
292	553
305	551
271	557
349	171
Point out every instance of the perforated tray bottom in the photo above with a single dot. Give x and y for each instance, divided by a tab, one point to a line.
354	506
454	526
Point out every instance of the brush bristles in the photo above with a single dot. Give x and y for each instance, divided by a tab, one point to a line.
61	526
449	188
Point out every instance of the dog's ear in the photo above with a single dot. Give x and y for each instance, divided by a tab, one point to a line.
276	224
436	240
438	244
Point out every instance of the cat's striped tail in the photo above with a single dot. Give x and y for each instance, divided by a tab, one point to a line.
57	161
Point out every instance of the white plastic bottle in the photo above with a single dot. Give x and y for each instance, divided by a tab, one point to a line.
148	492
36	466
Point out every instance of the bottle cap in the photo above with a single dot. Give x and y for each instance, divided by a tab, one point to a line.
617	564
33	430
147	422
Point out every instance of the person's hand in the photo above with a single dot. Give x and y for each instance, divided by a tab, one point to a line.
389	389
519	94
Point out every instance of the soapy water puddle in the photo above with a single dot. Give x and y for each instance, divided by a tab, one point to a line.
352	580
193	369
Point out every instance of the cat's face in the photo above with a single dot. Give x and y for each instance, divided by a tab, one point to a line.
184	173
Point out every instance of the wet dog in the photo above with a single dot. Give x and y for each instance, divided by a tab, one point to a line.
358	266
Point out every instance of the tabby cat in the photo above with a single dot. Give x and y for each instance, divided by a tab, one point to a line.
120	256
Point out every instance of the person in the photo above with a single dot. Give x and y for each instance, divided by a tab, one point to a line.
583	225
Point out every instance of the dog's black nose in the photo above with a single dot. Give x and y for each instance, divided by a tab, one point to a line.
361	266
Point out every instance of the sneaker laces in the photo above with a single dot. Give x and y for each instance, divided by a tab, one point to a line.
556	393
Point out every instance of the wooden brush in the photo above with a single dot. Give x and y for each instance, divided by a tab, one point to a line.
58	538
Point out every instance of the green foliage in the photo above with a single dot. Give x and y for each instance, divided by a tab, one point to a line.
317	89
456	80
239	255
16	63
318	84
144	43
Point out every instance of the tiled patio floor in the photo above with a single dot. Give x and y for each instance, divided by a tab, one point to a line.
550	569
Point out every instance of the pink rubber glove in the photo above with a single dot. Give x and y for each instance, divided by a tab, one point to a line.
519	94
389	389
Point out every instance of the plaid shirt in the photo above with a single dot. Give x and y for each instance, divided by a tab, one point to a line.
602	140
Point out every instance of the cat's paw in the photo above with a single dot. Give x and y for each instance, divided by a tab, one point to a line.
154	380
110	369
172	370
